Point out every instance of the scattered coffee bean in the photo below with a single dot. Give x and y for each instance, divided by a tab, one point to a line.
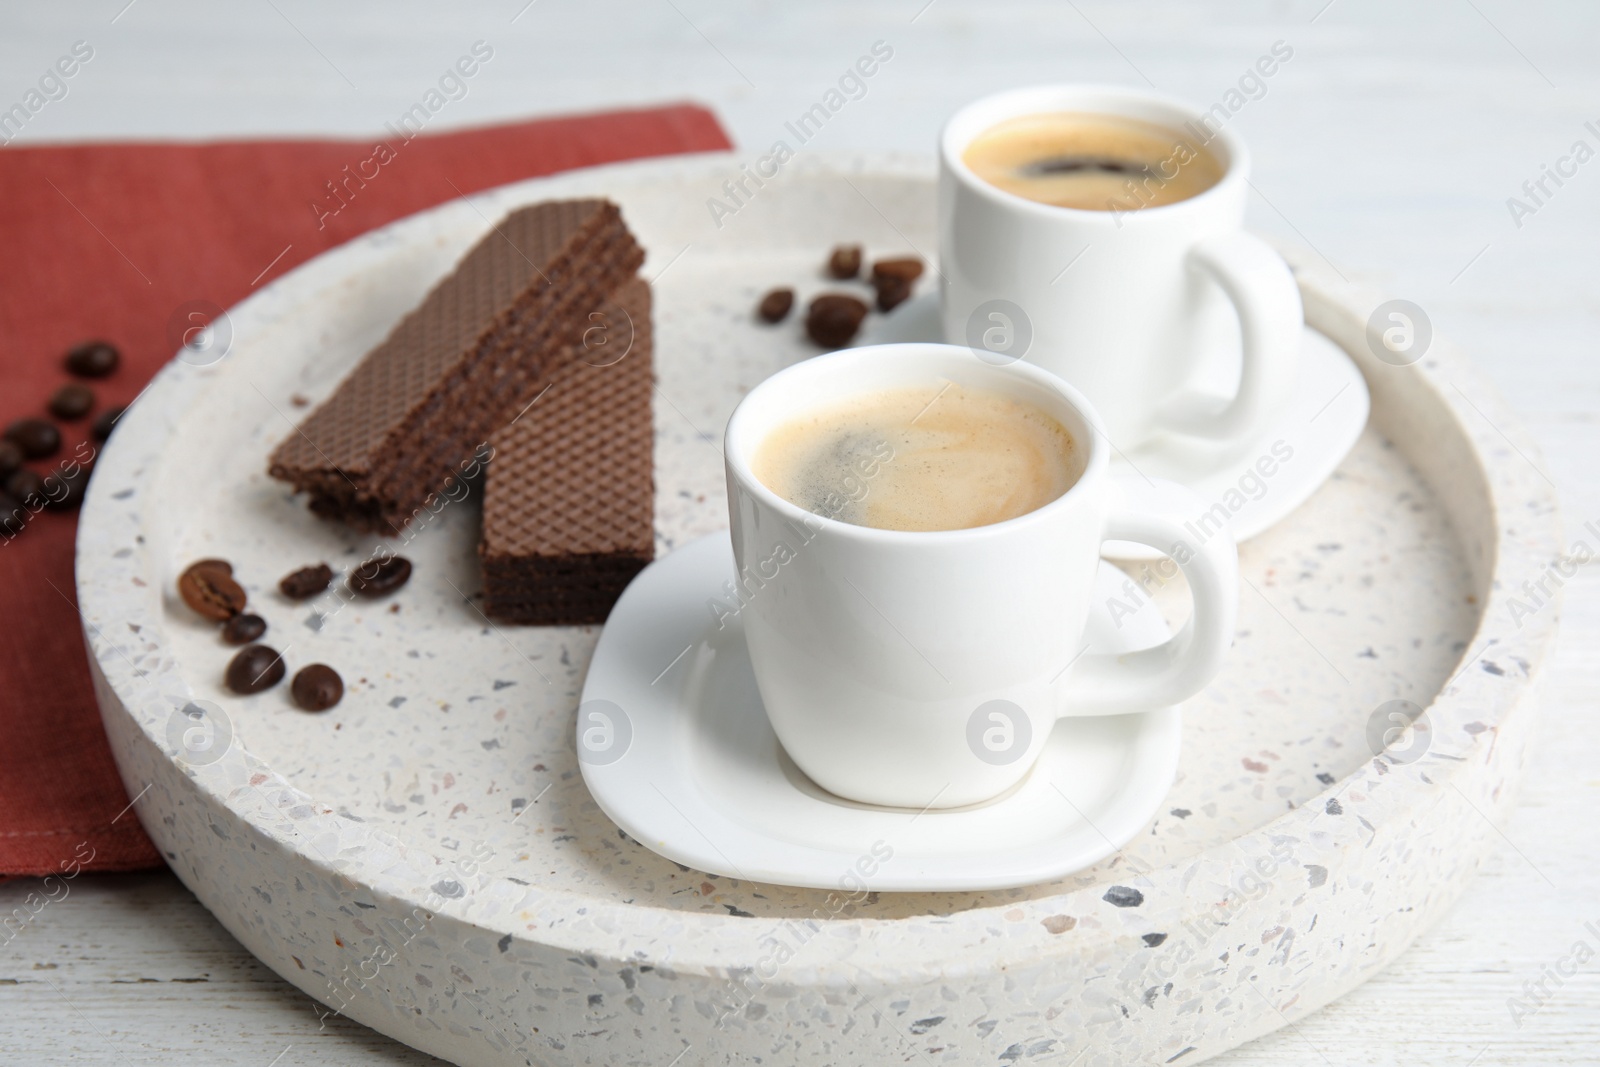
893	278
105	422
845	262
317	687
27	487
892	292
775	305
13	516
243	629
35	437
11	457
71	401
253	669
92	359
833	319
64	489
211	592
306	582
378	577
906	268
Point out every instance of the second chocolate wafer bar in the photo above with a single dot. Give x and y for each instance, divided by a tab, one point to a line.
569	500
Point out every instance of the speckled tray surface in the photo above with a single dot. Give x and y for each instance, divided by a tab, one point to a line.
425	857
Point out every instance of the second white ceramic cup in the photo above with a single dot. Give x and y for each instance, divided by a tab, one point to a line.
1135	307
918	669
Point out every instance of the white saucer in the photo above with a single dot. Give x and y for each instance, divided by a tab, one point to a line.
1319	425
680	755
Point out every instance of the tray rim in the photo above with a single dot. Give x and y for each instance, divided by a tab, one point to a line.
1525	513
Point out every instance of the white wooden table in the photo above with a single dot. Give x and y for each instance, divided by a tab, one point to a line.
1390	143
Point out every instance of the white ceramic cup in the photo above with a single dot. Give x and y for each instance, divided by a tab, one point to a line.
1171	319
917	669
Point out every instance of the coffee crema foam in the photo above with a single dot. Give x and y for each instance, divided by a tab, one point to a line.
1093	162
939	458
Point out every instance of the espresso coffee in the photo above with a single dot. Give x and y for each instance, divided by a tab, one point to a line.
1092	162
940	458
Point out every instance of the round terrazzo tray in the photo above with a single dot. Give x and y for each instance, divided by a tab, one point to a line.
425	856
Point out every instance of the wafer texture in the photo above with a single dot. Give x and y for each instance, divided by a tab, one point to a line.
569	496
414	411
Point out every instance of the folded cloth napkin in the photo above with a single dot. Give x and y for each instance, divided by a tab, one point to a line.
110	241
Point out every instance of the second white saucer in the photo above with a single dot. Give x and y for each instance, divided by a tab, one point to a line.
1249	490
1259	486
676	748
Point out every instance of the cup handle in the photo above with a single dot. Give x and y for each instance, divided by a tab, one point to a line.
1267	300
1179	667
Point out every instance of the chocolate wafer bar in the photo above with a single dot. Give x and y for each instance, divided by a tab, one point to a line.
569	500
458	367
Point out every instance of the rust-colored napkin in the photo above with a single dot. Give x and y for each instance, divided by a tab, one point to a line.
108	241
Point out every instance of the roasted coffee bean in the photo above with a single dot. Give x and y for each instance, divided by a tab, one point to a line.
317	687
35	437
13	516
906	268
892	292
377	577
845	262
211	592
242	629
11	457
71	401
27	487
775	305
105	422
92	359
64	489
306	582
253	669
833	319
